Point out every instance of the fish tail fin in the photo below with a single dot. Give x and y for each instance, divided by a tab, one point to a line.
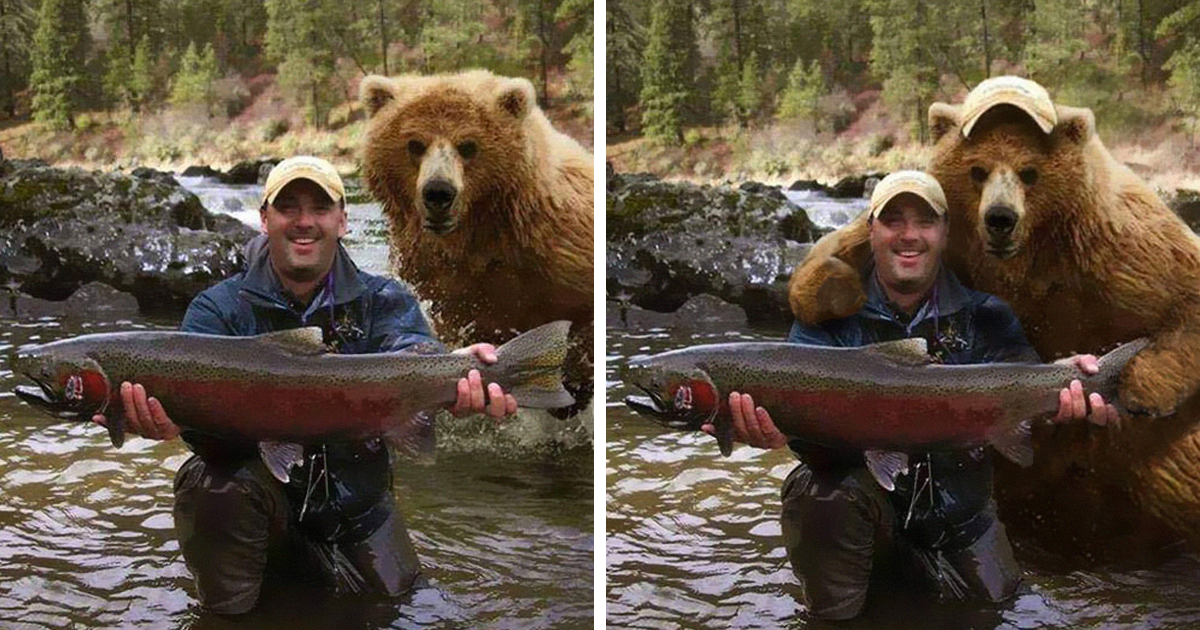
530	366
1108	379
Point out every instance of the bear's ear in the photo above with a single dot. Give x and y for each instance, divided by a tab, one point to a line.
1077	124
942	119
517	98
375	92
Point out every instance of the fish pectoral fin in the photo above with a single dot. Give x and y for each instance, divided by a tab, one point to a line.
116	429
416	438
885	466
1014	441
279	458
724	431
912	351
303	341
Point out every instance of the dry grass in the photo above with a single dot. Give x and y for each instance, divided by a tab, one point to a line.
177	137
781	154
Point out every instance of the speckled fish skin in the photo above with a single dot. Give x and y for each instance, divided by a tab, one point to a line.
880	397
278	386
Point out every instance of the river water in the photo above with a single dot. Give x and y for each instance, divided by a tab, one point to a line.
693	539
502	520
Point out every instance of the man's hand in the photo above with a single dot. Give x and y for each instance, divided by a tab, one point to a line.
470	389
1071	403
143	416
751	425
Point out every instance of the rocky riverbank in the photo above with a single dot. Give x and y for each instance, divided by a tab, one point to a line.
139	233
669	242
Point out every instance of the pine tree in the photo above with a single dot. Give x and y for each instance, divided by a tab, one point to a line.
143	76
1184	64
296	41
536	23
625	39
580	47
750	93
901	58
60	47
666	73
805	86
16	33
194	81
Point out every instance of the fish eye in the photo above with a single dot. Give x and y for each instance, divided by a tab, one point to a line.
416	148
979	174
467	149
1029	176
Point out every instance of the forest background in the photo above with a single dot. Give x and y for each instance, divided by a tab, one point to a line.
775	90
171	83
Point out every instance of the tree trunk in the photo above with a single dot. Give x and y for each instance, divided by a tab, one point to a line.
1141	33
738	55
383	38
9	106
544	38
987	51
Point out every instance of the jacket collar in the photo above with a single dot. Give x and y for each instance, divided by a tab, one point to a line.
948	297
261	284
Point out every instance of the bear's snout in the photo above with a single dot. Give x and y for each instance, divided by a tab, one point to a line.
1000	220
438	198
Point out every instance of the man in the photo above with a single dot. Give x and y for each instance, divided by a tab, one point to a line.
337	514
836	520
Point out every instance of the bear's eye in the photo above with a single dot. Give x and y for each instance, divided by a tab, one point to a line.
467	149
1028	176
979	174
416	148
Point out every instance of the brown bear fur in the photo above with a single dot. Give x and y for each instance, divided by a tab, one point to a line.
1095	259
518	252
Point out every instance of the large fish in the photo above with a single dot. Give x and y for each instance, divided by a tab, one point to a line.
885	399
280	389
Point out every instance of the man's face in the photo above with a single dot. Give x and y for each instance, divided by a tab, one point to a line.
907	241
303	226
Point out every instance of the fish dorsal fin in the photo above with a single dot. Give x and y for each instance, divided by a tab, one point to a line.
905	351
307	340
885	466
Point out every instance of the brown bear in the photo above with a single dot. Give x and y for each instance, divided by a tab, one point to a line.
1087	255
490	208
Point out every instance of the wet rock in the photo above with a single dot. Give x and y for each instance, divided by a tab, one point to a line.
93	301
1186	203
701	314
809	184
668	242
201	171
61	229
855	186
146	172
249	172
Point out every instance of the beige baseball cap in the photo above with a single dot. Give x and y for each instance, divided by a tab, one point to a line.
1033	99
916	182
304	167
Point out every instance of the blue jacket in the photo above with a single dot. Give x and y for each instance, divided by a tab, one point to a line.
359	313
960	326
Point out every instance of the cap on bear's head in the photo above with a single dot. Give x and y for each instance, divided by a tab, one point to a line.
1024	94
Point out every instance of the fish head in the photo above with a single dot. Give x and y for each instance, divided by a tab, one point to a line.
679	394
70	384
